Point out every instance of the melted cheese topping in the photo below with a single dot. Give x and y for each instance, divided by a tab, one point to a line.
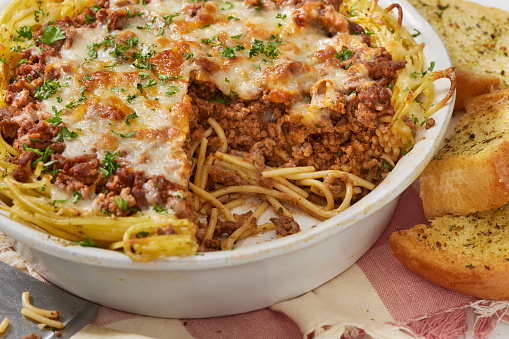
140	109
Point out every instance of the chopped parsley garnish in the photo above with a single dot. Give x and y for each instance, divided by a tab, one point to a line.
39	11
172	89
257	66
110	165
131	116
120	49
415	35
117	89
54	202
76	197
163	77
95	8
352	10
150	83
56	120
89	19
386	164
407	148
167	20
180	196
187	56
92	47
226	100
50	34
414	74
142	234
87	243
64	133
345	54
349	65
128	135
141	59
442	9
44	156
24	32
87	78
73	104
160	209
129	13
269	48
236	36
213	42
143	75
48	89
430	68
15	48
227	52
121	203
227	5
130	98
231	17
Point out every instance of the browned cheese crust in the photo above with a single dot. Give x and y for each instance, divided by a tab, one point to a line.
274	123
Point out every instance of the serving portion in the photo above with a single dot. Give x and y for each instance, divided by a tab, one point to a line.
196	285
141	125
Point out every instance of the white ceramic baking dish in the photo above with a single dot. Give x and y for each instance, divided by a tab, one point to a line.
257	273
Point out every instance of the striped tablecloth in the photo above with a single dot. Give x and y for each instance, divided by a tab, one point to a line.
376	296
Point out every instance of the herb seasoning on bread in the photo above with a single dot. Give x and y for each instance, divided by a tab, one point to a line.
477	38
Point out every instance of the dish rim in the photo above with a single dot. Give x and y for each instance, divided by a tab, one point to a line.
391	187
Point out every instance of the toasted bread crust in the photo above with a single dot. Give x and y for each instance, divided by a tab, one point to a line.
467	185
476	38
471	172
471	84
480	277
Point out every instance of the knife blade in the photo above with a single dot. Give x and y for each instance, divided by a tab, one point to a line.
75	313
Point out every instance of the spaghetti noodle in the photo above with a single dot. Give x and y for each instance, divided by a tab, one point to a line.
4	325
42	316
141	125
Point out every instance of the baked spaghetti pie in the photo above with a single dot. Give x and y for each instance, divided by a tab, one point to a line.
140	124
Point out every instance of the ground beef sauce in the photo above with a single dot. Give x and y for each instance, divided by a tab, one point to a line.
112	106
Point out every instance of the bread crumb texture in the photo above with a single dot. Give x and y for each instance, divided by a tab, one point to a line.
482	129
466	254
476	37
471	172
478	238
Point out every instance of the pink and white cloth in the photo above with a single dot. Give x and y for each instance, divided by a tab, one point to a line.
377	297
